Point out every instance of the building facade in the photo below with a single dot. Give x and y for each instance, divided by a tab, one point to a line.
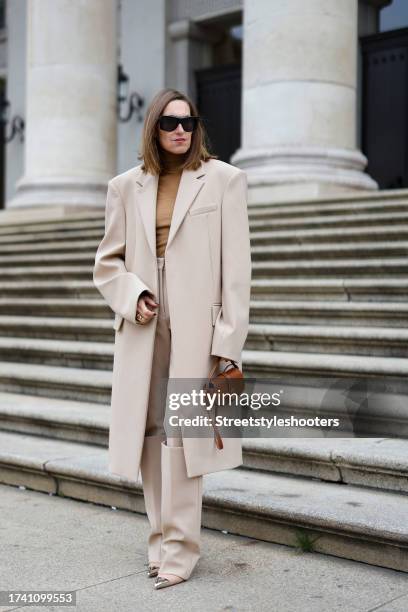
279	84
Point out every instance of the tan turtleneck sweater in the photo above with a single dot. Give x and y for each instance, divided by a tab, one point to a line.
167	189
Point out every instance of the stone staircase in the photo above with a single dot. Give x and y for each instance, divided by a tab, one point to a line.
329	299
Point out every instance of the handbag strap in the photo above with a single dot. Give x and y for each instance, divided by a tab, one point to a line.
216	364
217	436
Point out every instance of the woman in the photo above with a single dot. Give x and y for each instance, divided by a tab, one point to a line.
175	267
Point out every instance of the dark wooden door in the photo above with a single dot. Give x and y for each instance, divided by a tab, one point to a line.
385	107
219	103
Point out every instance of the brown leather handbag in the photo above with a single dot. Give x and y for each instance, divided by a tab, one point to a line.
228	381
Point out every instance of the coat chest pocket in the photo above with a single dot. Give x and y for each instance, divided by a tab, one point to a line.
215	309
117	324
203	209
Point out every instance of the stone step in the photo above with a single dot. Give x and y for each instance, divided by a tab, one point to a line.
46	220
43	296
52	352
27	262
61	328
307	366
326	207
53	231
47	272
32	240
346	235
57	307
47	288
79	222
273	222
330	316
384	200
380	463
345	289
396	267
369	462
86	371
262	336
336	519
91	343
332	252
270	223
340	340
51	247
49	308
376	314
56	381
362	251
63	241
391	266
60	419
283	247
335	312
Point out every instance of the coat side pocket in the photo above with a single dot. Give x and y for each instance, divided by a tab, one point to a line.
117	324
215	309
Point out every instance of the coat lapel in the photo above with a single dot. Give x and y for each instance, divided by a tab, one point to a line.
191	182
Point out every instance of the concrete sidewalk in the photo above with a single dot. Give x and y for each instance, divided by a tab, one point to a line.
54	543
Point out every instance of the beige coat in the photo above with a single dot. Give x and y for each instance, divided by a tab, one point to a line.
208	274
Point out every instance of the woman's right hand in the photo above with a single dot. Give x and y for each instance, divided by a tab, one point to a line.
145	307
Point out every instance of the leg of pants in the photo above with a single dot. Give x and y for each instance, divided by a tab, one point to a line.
150	465
181	514
173	500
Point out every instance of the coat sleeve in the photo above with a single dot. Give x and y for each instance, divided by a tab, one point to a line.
120	288
231	327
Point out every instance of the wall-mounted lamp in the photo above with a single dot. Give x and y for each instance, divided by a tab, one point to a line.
17	123
134	101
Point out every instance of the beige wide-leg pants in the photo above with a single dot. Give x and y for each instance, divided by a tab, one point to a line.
173	500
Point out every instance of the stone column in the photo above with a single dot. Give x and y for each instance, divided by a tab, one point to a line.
70	143
189	51
299	100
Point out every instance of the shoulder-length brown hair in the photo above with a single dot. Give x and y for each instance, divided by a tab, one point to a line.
149	149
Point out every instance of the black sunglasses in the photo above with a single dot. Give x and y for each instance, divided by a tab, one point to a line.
168	123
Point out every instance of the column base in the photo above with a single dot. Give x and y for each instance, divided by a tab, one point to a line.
302	173
59	192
